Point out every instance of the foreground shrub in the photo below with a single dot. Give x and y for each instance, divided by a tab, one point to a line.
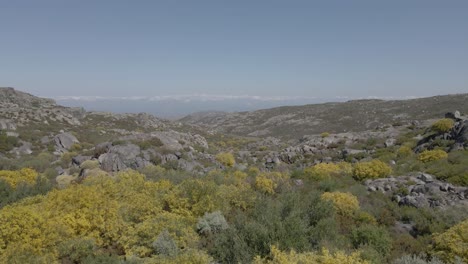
432	155
374	237
443	125
453	243
371	170
324	257
412	259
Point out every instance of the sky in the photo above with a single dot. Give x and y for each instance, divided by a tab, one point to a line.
317	49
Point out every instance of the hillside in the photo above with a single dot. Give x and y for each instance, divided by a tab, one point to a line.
96	187
292	122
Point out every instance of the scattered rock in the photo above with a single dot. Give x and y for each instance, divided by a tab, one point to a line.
426	177
422	190
390	142
7	125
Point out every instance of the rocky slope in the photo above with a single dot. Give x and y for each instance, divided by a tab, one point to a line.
117	141
296	121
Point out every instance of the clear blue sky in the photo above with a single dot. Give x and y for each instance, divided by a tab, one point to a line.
277	48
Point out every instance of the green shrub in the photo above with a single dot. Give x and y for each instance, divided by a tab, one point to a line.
372	236
7	143
432	155
90	164
212	223
413	259
165	245
404	151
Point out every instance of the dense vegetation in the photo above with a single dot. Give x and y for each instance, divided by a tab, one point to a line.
228	216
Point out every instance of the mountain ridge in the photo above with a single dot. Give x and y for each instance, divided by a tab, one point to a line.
336	117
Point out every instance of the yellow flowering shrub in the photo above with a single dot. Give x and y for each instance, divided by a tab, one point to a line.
344	203
124	211
324	257
432	155
452	243
443	125
371	170
226	159
323	171
15	177
265	184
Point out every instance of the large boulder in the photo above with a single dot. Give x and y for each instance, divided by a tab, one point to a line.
121	157
6	124
111	162
64	141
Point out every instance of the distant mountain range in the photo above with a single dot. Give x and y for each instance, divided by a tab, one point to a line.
180	105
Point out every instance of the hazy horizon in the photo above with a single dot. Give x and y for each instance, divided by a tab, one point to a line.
174	107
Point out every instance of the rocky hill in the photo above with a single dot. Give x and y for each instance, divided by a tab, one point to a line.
292	122
389	179
33	125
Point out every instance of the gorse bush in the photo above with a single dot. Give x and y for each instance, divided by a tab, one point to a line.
344	203
432	155
452	243
324	171
226	159
371	170
13	178
443	125
265	184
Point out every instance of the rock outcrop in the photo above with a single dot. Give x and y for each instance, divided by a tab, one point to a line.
458	134
64	141
420	190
